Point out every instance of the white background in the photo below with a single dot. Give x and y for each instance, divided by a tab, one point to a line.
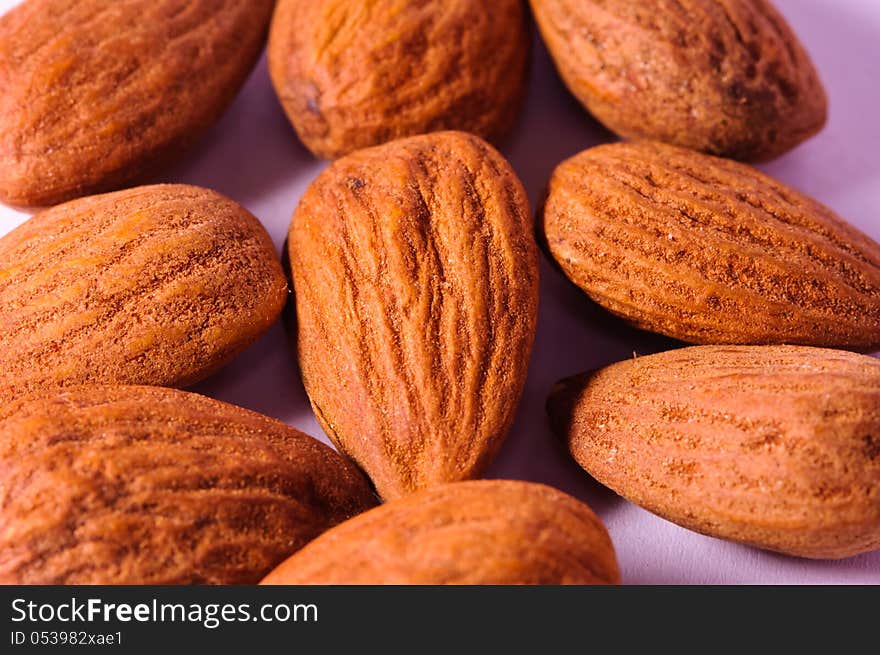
253	156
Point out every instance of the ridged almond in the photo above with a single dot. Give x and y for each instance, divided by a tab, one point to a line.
156	285
728	77
415	275
708	250
142	485
488	532
353	74
97	93
774	446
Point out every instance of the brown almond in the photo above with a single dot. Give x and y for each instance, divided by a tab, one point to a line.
484	532
352	74
96	93
157	285
727	78
710	251
773	446
415	274
142	485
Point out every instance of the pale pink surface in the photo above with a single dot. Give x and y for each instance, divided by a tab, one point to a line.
253	156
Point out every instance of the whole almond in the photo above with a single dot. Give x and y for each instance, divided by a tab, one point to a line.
97	93
774	446
142	485
710	251
352	74
483	532
156	285
728	77
415	274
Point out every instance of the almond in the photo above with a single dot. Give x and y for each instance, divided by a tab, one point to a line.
485	532
142	485
157	285
773	446
352	74
97	93
415	274
726	77
710	251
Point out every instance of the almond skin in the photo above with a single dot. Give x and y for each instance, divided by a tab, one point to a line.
728	77
488	532
773	446
707	250
353	74
97	93
142	485
415	274
158	285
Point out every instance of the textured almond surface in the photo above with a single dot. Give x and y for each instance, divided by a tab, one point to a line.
774	446
710	251
483	532
142	485
728	77
353	74
155	285
97	92
416	282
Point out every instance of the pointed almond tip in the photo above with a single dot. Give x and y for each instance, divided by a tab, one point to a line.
561	403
